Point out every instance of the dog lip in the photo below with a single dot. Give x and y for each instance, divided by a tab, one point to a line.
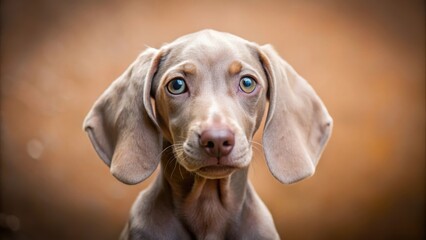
216	168
216	171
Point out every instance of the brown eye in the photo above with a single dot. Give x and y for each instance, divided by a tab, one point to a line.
247	84
176	86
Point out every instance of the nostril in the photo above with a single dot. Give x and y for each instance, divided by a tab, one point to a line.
217	142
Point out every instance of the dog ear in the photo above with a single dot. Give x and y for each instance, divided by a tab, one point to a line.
121	124
298	125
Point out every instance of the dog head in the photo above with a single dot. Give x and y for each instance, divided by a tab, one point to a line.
205	94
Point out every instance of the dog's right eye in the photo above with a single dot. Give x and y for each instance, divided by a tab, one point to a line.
176	86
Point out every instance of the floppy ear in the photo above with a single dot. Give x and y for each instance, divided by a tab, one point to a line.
298	125
121	124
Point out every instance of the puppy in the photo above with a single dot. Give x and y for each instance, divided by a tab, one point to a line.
194	105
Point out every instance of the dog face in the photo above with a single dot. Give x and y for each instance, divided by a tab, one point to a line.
210	96
209	91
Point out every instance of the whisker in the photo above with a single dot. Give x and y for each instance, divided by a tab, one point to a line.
180	171
259	150
256	144
163	152
175	151
172	155
169	161
174	168
172	159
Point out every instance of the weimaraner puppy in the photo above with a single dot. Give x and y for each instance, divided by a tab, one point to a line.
194	105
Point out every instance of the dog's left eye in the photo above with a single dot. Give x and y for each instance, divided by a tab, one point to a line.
176	86
247	84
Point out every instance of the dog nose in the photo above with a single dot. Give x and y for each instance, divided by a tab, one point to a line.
217	142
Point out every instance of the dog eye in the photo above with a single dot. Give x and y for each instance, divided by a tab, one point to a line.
247	84
176	86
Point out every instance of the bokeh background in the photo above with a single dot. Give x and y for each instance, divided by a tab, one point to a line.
366	59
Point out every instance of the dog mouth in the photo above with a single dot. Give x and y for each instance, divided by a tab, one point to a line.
216	171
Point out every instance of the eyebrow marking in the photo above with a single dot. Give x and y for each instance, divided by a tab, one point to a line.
189	68
235	67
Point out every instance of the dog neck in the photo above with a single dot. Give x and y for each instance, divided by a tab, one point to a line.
212	203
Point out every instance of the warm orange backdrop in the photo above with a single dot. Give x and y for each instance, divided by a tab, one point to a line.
366	59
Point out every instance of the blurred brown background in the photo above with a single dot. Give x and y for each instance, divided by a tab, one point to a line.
366	59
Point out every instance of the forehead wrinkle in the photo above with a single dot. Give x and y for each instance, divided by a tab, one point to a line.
186	68
208	50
